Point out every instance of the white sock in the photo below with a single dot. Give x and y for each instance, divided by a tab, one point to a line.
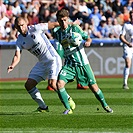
125	74
36	96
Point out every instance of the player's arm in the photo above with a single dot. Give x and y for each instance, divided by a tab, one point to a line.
88	42
15	60
122	38
85	36
52	25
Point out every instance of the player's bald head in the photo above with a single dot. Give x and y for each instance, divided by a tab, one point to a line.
17	20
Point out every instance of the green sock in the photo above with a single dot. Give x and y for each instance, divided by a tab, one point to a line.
64	97
99	95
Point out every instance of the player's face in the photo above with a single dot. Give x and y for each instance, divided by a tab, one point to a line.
63	22
22	27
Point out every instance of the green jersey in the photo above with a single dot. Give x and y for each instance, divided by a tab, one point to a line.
56	44
74	56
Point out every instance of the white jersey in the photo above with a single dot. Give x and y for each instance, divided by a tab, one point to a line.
127	31
37	43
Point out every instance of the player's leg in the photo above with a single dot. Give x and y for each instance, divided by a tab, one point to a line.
63	96
126	72
53	76
66	74
100	97
94	88
37	74
30	86
127	55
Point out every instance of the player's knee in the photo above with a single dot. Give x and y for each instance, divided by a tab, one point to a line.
60	84
26	85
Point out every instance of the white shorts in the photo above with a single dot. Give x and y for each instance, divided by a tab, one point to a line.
127	52
43	71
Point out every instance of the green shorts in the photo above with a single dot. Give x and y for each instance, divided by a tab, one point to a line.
83	74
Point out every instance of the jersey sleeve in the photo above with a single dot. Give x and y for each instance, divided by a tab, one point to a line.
81	32
53	31
18	45
42	26
123	31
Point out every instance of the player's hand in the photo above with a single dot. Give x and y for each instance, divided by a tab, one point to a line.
130	45
9	69
78	22
87	43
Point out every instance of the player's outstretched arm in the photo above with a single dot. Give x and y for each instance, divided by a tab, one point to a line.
122	38
52	25
15	61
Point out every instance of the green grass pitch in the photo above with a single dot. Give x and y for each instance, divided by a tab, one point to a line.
16	108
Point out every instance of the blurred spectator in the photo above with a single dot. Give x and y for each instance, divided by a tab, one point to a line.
117	6
124	15
94	33
16	9
44	12
102	28
36	4
7	30
29	7
33	18
73	7
62	4
83	11
2	7
53	15
13	34
1	30
96	16
108	8
12	20
86	28
109	27
9	12
90	3
46	16
116	29
129	5
3	19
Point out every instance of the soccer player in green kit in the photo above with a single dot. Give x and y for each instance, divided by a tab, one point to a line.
58	47
76	63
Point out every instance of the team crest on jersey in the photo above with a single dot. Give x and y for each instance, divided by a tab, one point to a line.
51	71
33	36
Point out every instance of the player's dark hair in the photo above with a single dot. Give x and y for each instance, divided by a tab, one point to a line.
62	13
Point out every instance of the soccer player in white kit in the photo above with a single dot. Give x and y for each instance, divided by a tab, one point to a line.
126	36
33	39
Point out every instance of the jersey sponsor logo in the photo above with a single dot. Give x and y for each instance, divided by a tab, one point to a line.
33	36
51	72
65	43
